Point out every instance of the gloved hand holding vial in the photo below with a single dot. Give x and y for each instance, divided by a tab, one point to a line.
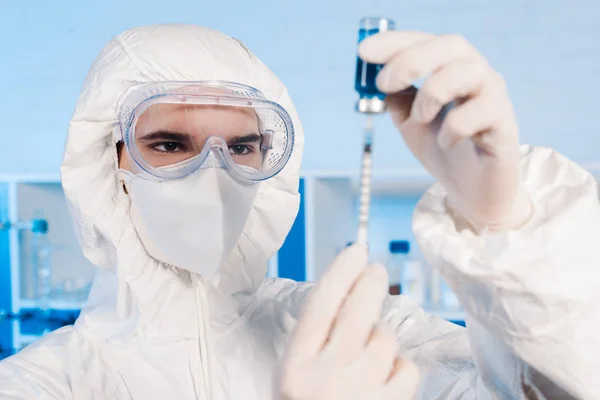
473	150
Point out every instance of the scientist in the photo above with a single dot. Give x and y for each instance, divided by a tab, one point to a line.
181	171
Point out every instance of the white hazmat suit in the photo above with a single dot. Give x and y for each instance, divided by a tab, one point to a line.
151	331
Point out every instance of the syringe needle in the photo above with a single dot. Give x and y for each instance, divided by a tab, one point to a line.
369	124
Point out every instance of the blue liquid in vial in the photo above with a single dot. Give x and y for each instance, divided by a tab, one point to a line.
366	73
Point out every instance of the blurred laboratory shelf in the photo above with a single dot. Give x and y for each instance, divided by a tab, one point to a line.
27	197
30	178
384	182
53	304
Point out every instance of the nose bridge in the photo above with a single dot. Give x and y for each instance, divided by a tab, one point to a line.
214	141
215	146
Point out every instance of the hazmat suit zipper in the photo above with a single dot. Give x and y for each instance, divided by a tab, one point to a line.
202	323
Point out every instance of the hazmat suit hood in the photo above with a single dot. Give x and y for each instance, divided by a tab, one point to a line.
98	205
136	299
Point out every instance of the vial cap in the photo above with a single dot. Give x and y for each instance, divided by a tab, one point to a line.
399	247
39	226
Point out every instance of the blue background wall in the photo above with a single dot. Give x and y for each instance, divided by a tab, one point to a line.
547	50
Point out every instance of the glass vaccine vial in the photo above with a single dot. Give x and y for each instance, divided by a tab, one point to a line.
370	99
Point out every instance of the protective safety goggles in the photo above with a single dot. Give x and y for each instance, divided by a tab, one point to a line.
175	128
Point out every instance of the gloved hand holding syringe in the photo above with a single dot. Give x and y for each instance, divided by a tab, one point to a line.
340	338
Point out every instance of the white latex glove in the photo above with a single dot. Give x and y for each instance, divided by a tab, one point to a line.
340	349
474	151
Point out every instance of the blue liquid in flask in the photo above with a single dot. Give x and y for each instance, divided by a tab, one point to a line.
366	73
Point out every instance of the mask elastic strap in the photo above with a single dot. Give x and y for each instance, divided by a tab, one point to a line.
125	178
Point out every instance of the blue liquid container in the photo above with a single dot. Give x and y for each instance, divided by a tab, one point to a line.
371	100
39	226
399	250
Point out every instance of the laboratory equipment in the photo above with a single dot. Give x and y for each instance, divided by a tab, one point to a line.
406	274
370	99
41	260
395	265
41	252
424	284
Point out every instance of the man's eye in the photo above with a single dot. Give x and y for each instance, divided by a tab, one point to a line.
167	147
240	149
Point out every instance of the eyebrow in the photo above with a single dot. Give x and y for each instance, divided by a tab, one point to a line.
250	138
166	135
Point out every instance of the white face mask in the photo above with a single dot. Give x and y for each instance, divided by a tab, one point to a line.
191	223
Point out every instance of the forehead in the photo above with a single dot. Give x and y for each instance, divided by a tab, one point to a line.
191	118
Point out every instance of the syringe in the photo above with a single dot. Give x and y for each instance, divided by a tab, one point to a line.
364	202
370	102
